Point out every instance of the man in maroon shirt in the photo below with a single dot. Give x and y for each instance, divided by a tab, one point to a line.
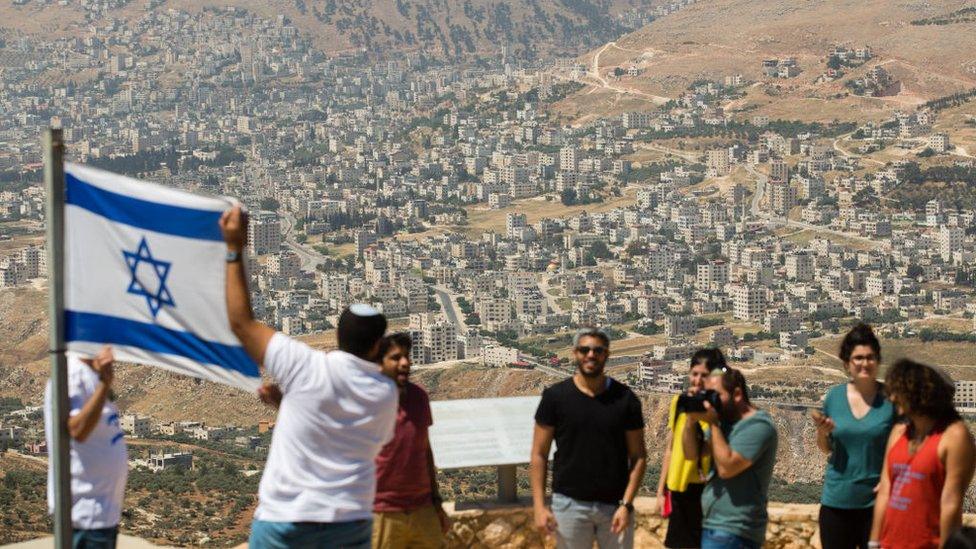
407	509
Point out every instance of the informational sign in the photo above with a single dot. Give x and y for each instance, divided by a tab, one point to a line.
482	431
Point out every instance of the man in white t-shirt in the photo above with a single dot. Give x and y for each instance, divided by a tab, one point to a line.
337	412
99	461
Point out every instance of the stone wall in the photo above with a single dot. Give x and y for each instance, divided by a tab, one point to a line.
480	526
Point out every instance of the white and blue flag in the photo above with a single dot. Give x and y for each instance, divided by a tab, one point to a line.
144	272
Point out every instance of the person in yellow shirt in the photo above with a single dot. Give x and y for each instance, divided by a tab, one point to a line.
680	486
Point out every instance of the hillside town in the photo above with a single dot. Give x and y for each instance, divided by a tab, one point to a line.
363	183
489	210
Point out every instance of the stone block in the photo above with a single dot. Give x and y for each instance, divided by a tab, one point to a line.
646	540
496	533
463	532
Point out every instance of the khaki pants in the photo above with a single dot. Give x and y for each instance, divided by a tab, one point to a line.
419	528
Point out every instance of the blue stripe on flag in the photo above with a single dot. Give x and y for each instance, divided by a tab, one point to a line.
97	328
135	212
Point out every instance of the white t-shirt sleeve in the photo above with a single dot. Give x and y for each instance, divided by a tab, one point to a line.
78	390
78	393
391	417
288	361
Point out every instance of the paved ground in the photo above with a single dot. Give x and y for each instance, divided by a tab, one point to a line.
125	542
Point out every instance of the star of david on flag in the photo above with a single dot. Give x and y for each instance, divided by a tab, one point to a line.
161	296
144	271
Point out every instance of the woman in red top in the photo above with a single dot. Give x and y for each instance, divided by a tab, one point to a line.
928	466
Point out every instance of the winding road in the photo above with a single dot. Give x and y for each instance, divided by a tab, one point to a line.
309	257
594	73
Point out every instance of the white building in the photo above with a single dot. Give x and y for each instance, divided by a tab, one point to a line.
939	142
800	267
965	397
135	425
748	302
950	240
263	233
285	264
680	325
498	355
440	342
712	275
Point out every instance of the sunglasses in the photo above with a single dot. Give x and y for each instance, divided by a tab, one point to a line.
584	350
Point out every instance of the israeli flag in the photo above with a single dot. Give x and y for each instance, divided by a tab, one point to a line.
144	272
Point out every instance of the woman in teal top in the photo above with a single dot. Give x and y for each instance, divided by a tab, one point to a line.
853	429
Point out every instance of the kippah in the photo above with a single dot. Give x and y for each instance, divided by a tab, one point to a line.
362	309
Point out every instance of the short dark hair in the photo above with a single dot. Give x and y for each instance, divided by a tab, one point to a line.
591	332
733	378
862	334
399	339
358	334
925	390
712	358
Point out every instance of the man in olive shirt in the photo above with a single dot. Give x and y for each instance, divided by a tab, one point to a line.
742	444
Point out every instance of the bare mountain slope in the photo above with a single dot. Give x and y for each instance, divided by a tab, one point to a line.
926	46
443	28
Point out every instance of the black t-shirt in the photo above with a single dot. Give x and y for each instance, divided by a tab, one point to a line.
591	450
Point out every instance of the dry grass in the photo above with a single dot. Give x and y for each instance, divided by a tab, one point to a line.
723	37
481	219
960	124
959	359
805	236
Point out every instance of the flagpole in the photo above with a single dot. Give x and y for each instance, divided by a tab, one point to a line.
59	453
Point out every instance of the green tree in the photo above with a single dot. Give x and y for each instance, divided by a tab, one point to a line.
568	197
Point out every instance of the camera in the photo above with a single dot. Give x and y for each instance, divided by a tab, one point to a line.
696	402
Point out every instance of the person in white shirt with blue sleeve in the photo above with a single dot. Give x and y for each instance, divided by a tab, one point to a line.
99	459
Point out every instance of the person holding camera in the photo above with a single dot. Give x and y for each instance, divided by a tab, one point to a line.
742	442
853	430
679	489
929	462
600	458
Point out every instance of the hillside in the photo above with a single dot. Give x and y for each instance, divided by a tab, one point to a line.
441	28
144	390
924	46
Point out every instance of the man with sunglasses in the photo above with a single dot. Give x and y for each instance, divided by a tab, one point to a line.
600	457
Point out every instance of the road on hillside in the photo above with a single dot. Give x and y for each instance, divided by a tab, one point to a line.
309	256
451	309
757	196
761	181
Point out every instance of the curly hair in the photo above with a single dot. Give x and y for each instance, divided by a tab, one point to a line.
923	390
862	334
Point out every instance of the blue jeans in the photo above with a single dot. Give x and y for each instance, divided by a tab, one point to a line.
101	538
580	523
356	534
720	539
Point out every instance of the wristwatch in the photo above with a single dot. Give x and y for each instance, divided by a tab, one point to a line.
628	506
232	256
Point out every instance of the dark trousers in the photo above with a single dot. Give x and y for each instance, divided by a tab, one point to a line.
685	522
100	538
845	528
